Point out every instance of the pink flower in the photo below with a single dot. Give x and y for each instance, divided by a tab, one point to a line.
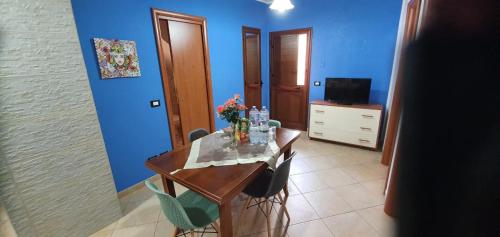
220	108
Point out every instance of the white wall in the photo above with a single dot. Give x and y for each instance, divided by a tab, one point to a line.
397	53
55	178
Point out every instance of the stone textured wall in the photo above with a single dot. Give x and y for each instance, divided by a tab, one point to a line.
55	178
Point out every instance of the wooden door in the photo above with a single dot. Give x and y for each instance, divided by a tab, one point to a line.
410	34
390	152
182	47
252	67
289	77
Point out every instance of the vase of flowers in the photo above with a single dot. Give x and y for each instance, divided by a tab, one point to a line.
230	112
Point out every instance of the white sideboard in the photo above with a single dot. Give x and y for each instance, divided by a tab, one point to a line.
351	124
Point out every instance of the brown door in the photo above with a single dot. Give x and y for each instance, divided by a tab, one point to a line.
289	81
182	47
251	67
390	152
410	34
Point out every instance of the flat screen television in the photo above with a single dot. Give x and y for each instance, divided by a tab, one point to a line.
348	90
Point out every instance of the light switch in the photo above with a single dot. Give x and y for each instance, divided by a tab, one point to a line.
317	83
155	103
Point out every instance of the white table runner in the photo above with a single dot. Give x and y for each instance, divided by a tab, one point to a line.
215	150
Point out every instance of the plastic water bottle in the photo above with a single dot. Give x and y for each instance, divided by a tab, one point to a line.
254	116
264	125
254	133
254	130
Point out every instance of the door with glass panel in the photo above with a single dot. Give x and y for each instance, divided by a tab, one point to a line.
290	56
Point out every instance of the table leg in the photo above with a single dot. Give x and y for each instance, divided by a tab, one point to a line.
168	186
286	155
226	220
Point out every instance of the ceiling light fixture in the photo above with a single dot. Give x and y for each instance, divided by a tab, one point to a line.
281	5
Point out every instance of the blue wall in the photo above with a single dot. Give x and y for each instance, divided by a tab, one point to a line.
351	38
132	130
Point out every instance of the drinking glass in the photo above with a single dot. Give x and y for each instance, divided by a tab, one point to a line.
272	133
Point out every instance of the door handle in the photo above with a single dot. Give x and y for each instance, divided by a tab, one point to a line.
364	140
367	116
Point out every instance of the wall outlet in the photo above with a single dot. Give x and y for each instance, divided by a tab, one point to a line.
155	103
317	83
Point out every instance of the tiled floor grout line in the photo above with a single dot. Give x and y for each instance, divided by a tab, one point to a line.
156	227
336	167
318	151
276	209
333	188
311	206
328	228
368	222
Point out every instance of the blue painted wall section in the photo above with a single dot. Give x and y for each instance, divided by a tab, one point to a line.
351	38
132	130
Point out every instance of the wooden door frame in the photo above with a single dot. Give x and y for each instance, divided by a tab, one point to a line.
158	15
391	150
309	32
244	30
410	31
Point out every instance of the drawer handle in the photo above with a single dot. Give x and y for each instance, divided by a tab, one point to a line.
367	116
365	128
319	111
319	122
364	140
318	133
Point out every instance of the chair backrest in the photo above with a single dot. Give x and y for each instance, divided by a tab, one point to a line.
172	209
280	177
197	133
274	123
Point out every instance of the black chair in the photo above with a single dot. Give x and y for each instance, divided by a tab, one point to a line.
265	188
197	133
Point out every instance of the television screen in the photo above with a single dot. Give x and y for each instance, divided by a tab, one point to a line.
348	90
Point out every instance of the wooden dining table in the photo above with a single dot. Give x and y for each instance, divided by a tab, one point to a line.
219	184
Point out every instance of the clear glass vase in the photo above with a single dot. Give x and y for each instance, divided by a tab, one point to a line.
233	139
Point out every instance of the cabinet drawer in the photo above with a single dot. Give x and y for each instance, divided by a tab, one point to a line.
349	119
355	115
356	138
318	112
361	127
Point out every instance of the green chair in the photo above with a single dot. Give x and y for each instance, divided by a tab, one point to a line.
188	212
274	123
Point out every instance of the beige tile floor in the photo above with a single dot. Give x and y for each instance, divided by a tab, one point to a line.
335	191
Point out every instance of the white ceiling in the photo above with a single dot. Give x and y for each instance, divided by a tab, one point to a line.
265	1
